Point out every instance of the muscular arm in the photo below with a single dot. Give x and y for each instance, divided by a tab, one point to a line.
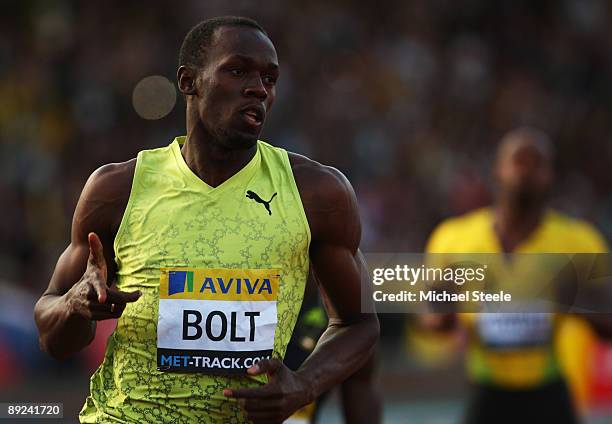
64	325
348	341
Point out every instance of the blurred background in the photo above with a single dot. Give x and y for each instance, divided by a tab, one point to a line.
407	98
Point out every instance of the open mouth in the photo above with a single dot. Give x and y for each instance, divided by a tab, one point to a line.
253	115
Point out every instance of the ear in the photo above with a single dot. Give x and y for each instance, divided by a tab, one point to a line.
186	78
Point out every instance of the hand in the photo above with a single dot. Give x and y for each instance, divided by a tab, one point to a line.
91	297
285	393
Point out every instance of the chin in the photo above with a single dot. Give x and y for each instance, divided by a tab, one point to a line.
528	197
236	139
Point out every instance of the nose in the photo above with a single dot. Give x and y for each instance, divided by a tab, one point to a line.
255	88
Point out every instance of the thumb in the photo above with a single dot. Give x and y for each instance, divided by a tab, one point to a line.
96	251
266	366
96	259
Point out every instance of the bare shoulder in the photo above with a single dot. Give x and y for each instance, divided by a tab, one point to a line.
104	198
328	198
112	179
320	185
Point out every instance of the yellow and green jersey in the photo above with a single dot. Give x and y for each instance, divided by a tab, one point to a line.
488	361
222	271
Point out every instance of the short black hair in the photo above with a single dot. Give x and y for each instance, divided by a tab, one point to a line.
199	37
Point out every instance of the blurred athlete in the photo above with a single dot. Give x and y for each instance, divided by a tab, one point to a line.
519	382
202	249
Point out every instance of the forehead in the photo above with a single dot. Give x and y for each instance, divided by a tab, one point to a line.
519	146
243	41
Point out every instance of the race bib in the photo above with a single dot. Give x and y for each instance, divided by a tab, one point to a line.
515	330
216	320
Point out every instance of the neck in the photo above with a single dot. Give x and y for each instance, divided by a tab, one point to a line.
208	158
514	221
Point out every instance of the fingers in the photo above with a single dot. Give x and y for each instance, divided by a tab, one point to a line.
116	296
101	316
271	402
260	405
121	297
106	307
96	251
101	311
262	392
113	307
261	417
88	304
96	260
266	366
264	410
100	288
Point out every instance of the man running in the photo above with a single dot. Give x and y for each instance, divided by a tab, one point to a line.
206	281
519	381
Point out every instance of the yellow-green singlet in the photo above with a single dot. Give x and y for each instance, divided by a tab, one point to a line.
174	220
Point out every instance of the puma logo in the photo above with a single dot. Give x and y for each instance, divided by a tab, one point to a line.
252	195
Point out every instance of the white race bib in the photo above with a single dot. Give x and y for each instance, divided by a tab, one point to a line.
216	320
515	330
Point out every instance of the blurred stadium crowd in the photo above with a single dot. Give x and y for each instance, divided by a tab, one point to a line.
408	99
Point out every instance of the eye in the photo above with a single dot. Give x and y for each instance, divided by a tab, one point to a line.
237	72
269	79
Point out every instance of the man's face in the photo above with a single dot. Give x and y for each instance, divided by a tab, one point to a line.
524	169
236	86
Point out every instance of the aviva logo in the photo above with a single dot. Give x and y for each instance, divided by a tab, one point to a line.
219	284
176	282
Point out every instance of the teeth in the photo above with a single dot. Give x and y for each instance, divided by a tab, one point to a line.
252	117
252	114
